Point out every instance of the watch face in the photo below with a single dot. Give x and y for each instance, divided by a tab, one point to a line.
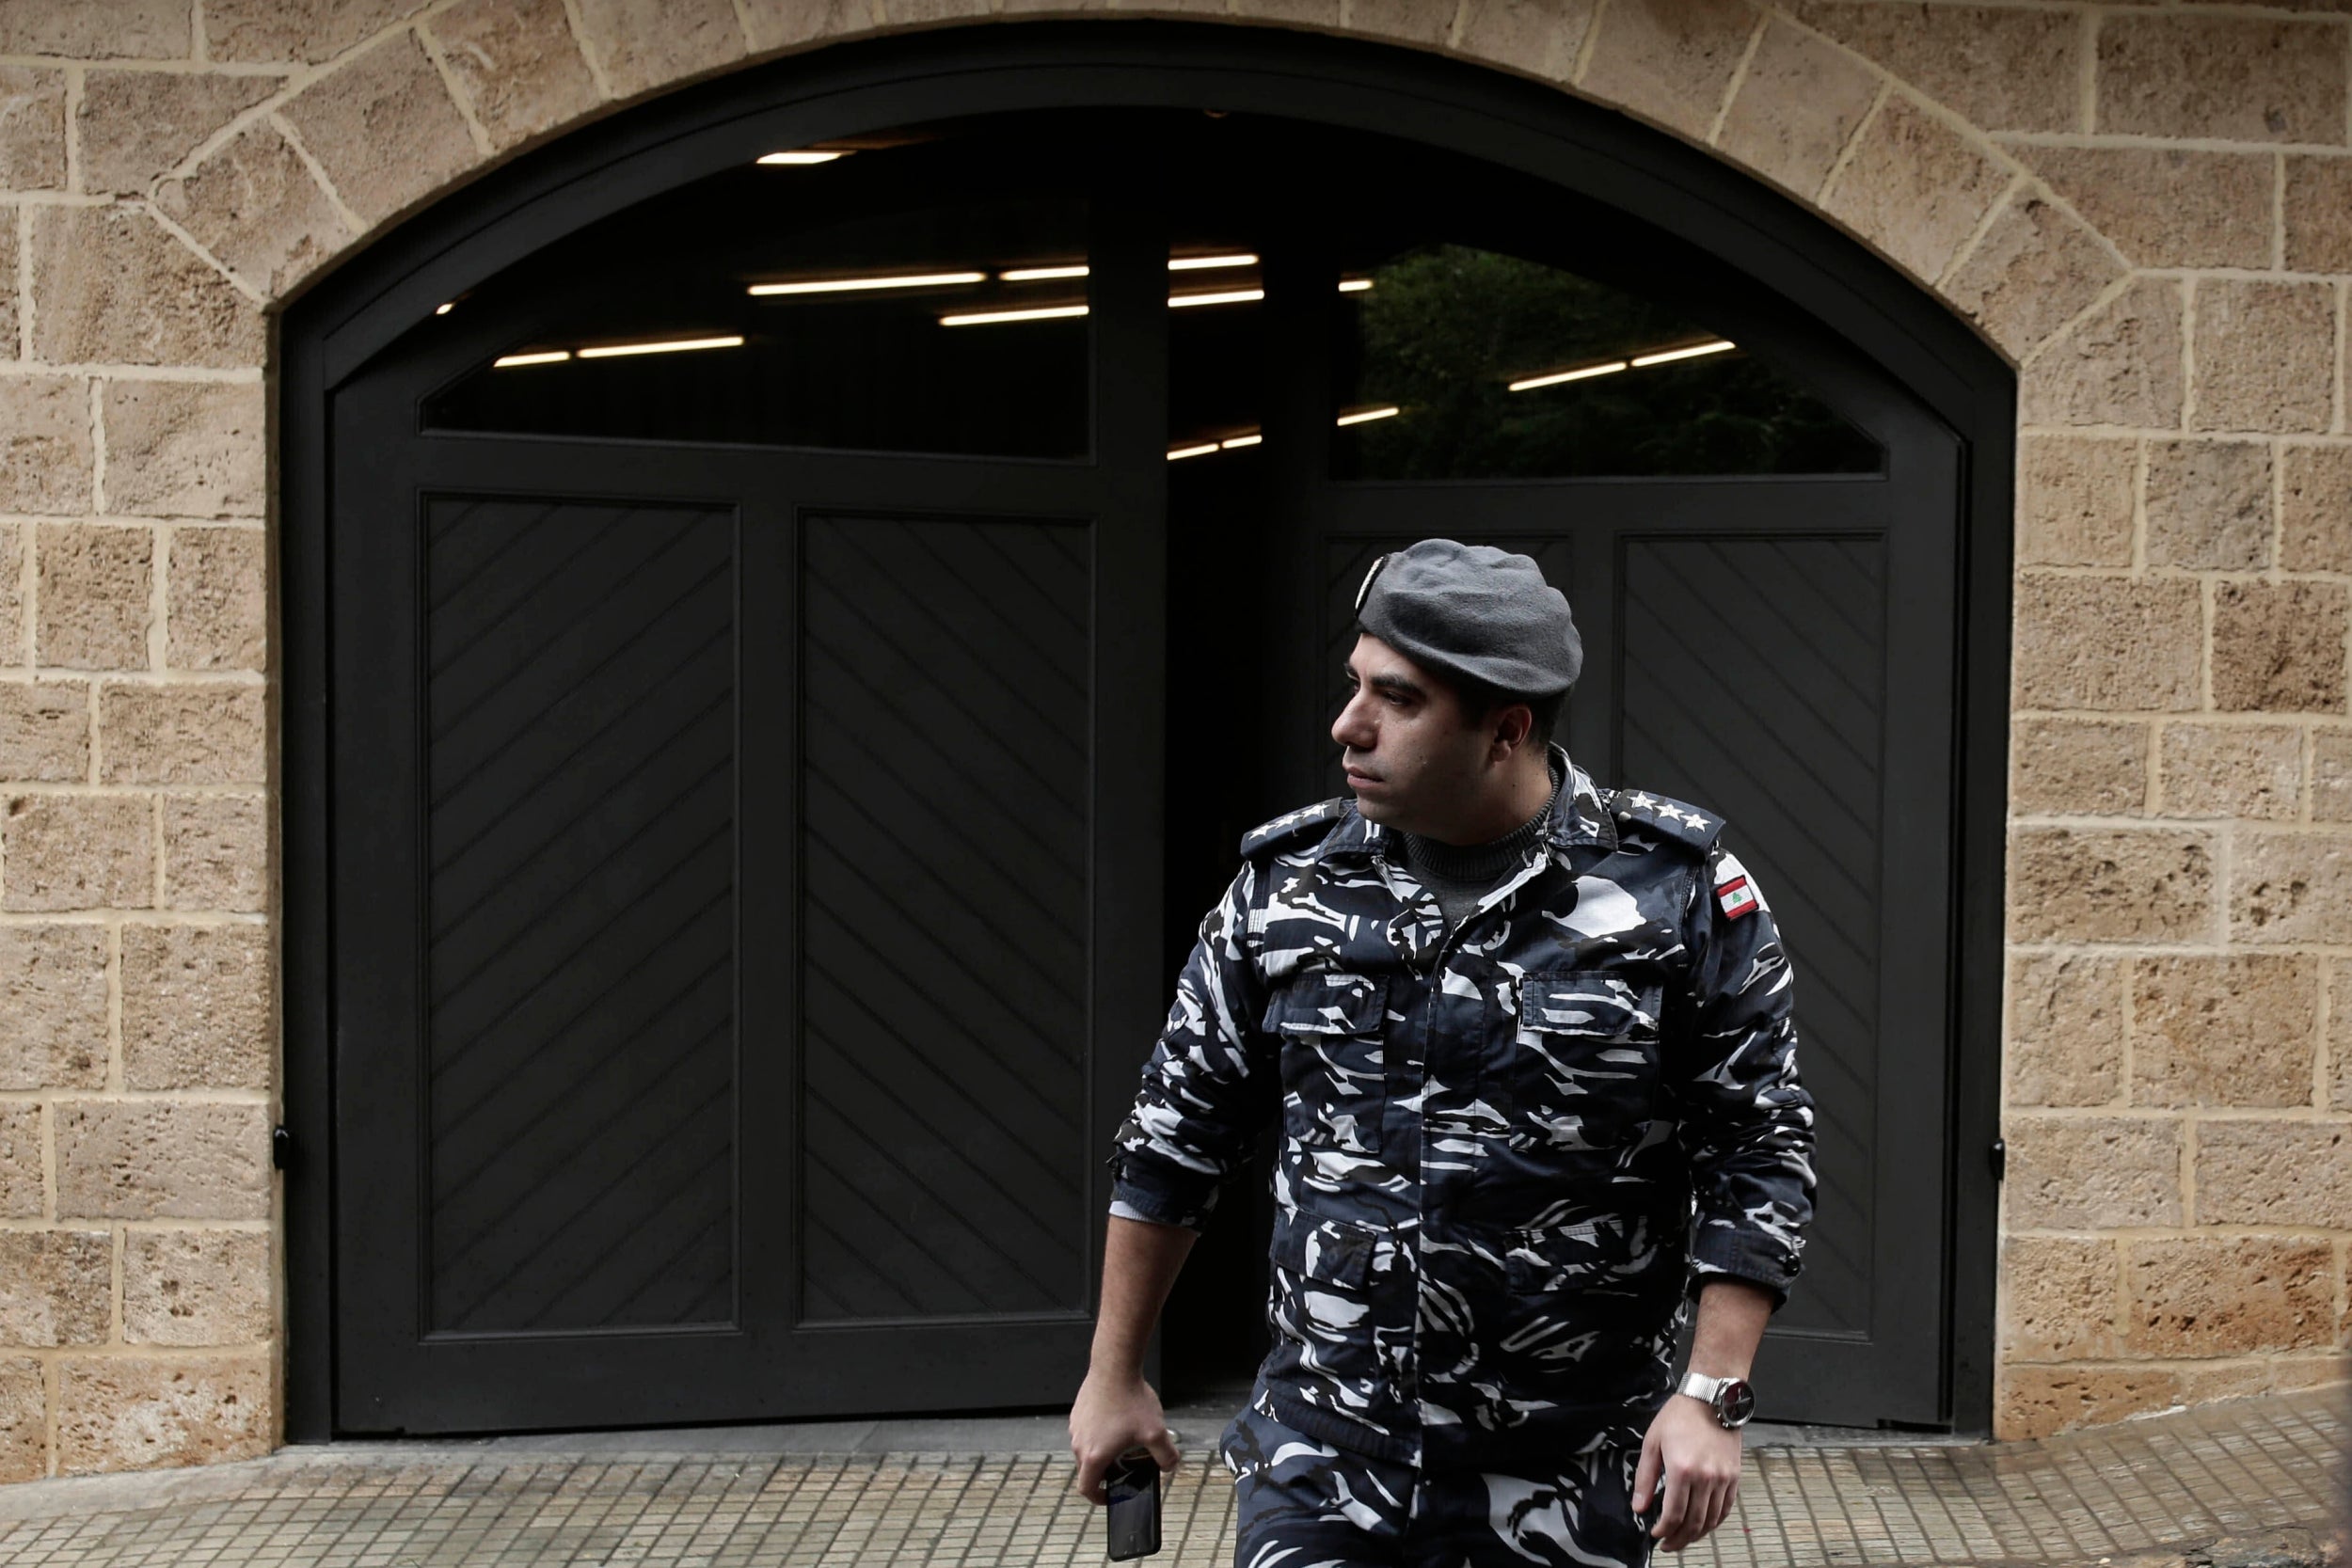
1734	1402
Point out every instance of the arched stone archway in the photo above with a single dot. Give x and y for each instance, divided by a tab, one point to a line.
2140	210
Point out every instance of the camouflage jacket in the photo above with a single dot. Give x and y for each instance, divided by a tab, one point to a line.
1508	1150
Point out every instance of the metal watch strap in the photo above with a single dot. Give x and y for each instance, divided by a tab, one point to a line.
1701	1387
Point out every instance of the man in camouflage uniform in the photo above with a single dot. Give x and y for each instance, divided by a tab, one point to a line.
1520	1034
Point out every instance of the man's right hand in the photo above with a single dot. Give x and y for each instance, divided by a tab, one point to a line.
1111	1416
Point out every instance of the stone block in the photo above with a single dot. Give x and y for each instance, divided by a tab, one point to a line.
216	852
119	30
2166	206
2318	214
2119	365
644	44
2000	69
1670	62
53	1035
111	286
2065	1029
133	1412
195	1288
267	31
2092	1173
196	1008
162	1158
2034	270
2058	1299
2254	772
57	1287
45	450
2288	887
138	126
181	734
2209	505
2316	509
1534	37
10	334
384	128
2338	1041
519	64
186	449
216	599
2037	1402
2331	776
2203	1381
1413	21
2241	1029
2198	1296
2221	77
32	129
2128	645
789	23
2078	767
256	206
76	853
20	1162
2278	647
1915	187
44	732
2111	884
2274	1173
2265	355
13	543
24	1421
93	593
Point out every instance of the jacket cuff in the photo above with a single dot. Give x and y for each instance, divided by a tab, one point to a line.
1722	1252
1145	1190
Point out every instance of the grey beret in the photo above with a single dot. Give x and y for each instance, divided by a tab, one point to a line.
1475	611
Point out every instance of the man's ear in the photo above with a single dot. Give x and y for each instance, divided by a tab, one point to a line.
1513	726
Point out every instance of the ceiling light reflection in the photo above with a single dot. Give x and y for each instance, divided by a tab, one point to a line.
1692	352
1175	452
1038	275
508	361
850	285
1229	296
1354	285
664	345
1365	416
1587	374
805	156
1205	263
983	317
1231	441
1640	361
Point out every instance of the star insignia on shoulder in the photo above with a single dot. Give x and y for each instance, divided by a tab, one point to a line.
1645	801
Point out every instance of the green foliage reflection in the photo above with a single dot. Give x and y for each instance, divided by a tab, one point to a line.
1444	329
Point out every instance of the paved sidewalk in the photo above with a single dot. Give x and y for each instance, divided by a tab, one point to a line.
2143	1492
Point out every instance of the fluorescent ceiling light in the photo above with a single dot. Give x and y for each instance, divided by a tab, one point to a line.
445	308
1175	452
1585	374
806	156
1038	275
1692	353
1249	440
1205	263
666	345
1364	416
1231	296
982	317
508	361
850	285
1354	285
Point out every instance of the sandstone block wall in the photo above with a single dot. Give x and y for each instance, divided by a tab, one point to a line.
2148	208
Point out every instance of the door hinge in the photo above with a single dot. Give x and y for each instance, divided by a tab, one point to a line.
280	1147
1998	1154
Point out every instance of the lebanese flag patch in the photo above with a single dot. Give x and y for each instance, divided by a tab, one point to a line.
1737	897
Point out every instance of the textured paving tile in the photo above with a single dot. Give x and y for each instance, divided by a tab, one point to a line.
2084	1500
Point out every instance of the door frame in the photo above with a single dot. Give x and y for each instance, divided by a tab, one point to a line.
343	322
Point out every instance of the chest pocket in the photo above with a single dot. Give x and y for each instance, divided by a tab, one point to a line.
1582	1071
1334	1062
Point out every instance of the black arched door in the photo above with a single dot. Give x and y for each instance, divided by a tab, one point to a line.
777	666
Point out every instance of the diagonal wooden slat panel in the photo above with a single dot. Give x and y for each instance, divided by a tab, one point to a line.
945	770
1753	677
579	920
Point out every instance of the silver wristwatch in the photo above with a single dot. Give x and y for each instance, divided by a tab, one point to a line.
1730	1398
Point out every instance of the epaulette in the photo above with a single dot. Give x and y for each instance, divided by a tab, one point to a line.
1290	825
1668	819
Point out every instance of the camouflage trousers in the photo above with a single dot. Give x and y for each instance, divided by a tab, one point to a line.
1304	1503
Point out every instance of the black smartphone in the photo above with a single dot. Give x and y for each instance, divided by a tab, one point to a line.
1132	1486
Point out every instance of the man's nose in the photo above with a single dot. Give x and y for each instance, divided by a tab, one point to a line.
1350	729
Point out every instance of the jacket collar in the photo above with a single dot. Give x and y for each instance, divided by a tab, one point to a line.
1579	817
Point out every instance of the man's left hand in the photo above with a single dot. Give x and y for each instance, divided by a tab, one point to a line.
1695	1461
